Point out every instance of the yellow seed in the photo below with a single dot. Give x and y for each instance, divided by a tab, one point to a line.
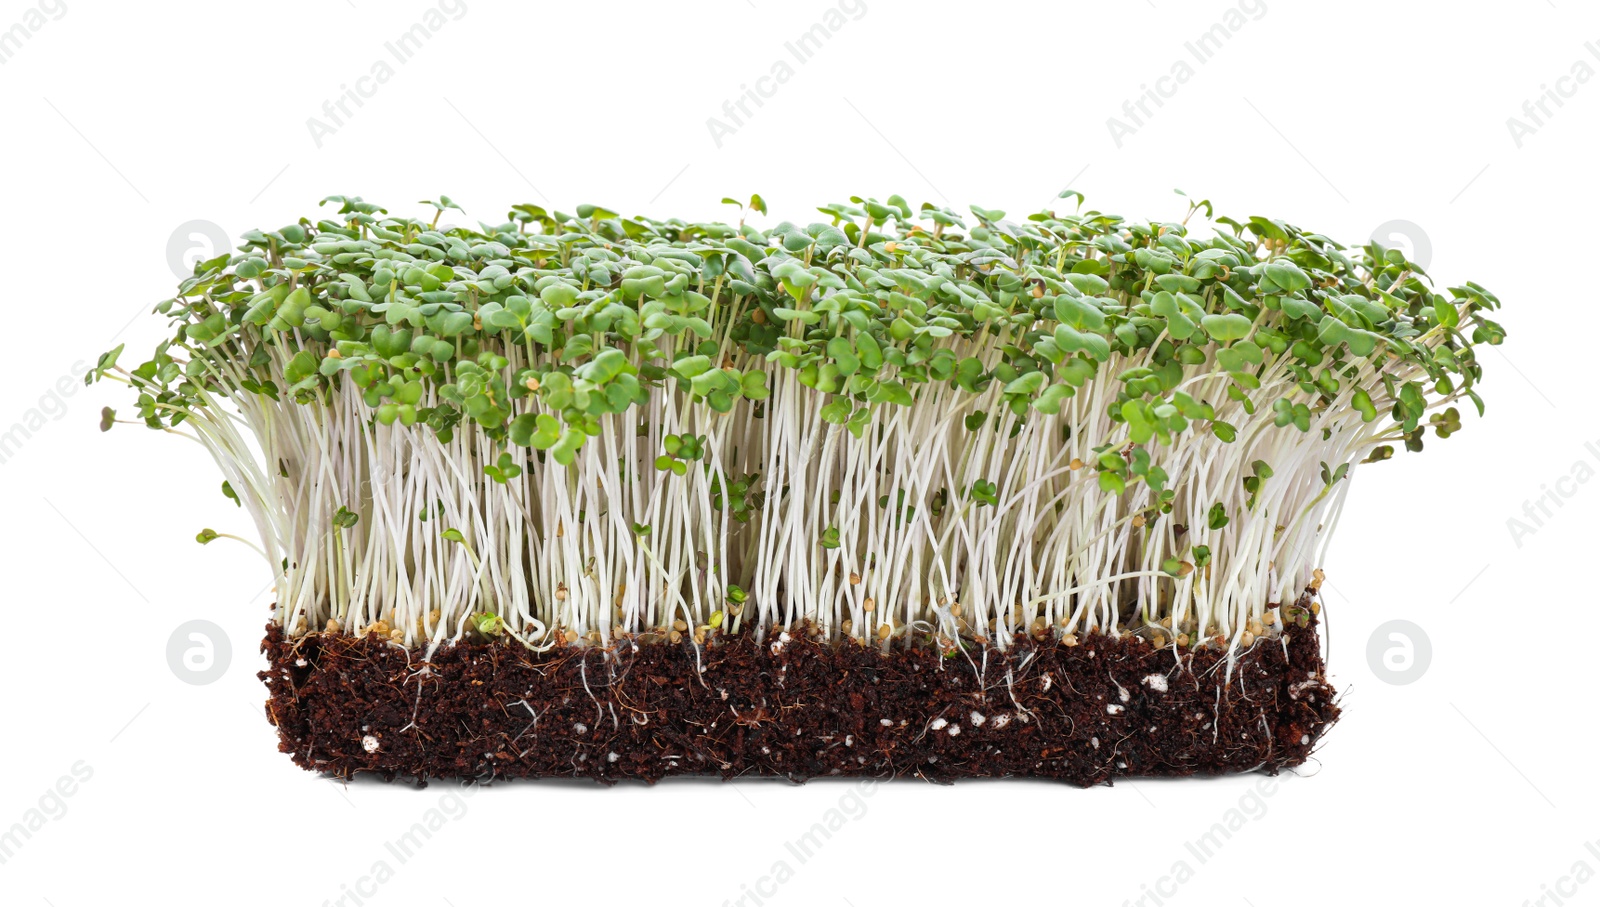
335	354
1159	640
855	579
532	384
675	636
1316	607
1038	291
570	636
1269	618
846	625
1317	576
1069	639
594	636
679	625
1075	465
699	637
561	528
884	631
1183	640
333	626
380	627
1185	568
758	316
1166	621
397	634
1248	639
561	592
1138	520
869	604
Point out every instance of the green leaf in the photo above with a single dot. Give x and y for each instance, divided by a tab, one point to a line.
1362	401
1226	328
1446	312
837	411
1050	401
1028	384
691	366
1287	275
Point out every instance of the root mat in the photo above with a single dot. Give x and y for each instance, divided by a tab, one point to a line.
796	708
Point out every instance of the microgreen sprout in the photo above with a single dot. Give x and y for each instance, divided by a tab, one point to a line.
1068	423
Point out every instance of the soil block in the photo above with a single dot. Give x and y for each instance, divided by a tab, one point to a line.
785	705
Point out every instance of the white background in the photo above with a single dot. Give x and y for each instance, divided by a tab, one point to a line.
124	121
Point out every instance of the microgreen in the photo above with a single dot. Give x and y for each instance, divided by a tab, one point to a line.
1070	416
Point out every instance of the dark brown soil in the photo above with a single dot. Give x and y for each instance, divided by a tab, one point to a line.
1085	714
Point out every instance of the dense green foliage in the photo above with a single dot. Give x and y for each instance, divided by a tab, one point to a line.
858	303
